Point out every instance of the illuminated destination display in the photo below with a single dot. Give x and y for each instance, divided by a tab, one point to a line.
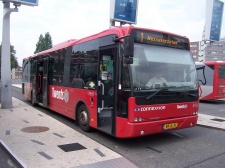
160	39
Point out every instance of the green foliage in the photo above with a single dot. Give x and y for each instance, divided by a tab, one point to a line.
44	43
14	62
48	40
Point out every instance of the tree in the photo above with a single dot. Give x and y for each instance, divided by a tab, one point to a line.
43	43
40	44
48	40
14	62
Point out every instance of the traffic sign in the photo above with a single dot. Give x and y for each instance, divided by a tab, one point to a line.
24	2
124	11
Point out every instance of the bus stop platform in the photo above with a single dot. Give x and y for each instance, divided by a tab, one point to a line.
211	121
29	138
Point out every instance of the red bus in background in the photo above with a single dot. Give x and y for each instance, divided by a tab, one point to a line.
101	81
211	77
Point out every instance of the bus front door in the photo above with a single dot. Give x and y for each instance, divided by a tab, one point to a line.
34	82
37	74
45	82
106	90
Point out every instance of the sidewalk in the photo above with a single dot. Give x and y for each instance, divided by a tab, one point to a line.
211	121
38	140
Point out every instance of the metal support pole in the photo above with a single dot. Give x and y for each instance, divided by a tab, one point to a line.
6	95
112	23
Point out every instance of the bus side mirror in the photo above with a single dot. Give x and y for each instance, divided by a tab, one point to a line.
128	44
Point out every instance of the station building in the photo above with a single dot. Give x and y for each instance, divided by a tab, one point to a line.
214	51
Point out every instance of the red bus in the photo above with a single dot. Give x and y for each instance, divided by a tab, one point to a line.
102	81
211	77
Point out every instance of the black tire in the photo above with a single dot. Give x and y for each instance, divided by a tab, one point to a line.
83	118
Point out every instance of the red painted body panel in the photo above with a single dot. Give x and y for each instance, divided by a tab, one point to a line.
66	104
154	116
58	104
217	91
125	129
160	111
27	90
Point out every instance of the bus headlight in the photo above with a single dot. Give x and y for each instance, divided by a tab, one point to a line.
195	113
142	132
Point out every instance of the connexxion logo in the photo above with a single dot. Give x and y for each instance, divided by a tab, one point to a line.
149	108
59	94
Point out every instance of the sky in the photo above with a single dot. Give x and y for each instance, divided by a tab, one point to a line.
74	19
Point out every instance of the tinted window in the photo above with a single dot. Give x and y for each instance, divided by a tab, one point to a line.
222	71
25	72
205	74
107	40
58	66
83	64
66	74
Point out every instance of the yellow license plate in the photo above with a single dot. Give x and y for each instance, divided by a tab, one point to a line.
170	126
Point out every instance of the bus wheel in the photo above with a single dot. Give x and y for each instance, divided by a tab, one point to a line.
83	118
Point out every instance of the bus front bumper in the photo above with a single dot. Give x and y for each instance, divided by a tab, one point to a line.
126	129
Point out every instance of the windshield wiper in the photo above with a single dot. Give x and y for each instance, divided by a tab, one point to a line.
153	94
186	93
166	89
191	94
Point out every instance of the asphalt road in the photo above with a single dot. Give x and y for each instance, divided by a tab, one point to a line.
216	108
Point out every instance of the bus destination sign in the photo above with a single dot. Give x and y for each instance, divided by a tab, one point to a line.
160	39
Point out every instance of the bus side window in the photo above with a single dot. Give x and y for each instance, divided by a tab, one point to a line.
77	82
90	84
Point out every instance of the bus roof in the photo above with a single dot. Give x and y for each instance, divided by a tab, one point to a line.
58	46
119	31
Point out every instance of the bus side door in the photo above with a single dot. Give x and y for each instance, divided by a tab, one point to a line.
45	82
106	89
34	82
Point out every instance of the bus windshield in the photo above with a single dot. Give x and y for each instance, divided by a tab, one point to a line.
157	67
